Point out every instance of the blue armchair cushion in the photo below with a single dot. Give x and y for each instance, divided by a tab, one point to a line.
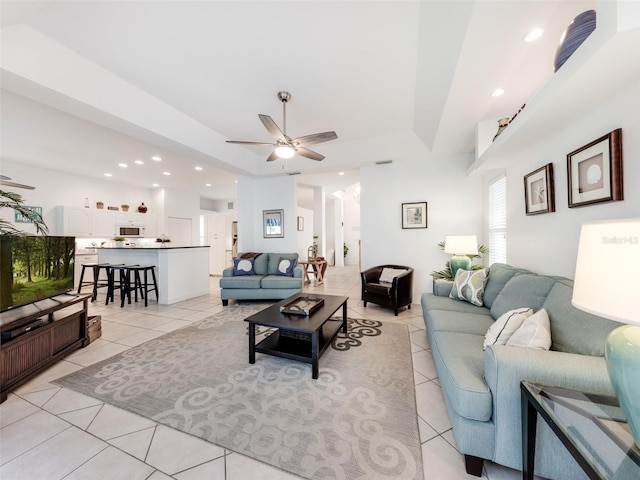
243	266
285	267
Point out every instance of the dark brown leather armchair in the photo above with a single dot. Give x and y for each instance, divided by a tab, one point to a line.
397	294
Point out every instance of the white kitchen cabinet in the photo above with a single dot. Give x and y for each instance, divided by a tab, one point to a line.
76	221
91	222
103	223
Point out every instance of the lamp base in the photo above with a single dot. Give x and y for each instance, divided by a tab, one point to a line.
459	262
622	351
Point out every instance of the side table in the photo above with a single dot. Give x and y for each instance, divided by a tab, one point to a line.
591	427
316	268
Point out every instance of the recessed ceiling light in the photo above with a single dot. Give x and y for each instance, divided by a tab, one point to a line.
497	92
108	175
207	184
155	184
139	162
156	159
199	169
534	34
340	173
123	165
166	173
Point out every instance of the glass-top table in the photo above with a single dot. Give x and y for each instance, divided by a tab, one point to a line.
592	427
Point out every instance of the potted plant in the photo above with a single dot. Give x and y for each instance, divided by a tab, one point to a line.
119	241
446	273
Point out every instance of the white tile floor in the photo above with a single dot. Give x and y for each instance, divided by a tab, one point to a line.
51	433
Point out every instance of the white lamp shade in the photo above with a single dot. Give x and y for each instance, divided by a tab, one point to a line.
607	269
285	151
461	244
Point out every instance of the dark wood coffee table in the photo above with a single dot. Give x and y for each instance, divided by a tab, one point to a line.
301	338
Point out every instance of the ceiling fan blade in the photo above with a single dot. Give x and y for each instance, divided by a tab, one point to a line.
4	180
272	128
305	152
314	138
241	142
272	157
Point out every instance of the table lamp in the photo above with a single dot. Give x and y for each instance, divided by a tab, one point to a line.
606	284
460	246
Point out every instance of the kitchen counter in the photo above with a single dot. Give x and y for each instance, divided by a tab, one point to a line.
182	272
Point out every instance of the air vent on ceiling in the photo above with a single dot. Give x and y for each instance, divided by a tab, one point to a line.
384	162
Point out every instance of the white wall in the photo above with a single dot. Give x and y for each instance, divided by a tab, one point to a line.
351	222
547	243
304	238
454	207
256	195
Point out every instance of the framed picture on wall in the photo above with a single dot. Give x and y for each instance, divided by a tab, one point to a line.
414	215
539	193
273	221
594	172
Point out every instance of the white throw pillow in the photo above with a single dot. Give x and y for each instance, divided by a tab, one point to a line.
469	285
388	274
505	326
535	332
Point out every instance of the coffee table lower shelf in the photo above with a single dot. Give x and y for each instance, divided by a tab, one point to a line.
289	344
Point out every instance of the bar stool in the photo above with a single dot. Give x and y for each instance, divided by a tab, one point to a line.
144	287
96	283
123	283
82	283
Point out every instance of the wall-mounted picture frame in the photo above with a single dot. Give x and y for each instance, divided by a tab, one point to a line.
300	224
414	215
594	172
539	194
273	223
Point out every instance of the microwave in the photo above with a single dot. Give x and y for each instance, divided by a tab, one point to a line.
130	231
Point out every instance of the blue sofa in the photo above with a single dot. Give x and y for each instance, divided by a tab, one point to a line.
482	388
264	284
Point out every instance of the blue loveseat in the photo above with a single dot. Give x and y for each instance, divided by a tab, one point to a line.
262	283
481	388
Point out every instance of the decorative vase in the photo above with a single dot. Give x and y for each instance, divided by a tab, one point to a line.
502	124
573	36
99	205
125	208
142	208
622	352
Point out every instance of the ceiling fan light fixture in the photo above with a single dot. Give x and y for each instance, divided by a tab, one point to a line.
285	151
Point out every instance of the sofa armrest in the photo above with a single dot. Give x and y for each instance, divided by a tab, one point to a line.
506	367
298	271
227	272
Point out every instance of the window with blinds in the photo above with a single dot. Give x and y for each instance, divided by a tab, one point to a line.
498	221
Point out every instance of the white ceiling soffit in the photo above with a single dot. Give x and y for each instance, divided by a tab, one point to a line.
396	80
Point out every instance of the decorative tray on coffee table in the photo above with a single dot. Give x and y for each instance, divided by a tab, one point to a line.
302	306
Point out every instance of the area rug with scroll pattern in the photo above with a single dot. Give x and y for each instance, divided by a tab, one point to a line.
358	420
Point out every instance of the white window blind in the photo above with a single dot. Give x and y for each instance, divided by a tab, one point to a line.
498	221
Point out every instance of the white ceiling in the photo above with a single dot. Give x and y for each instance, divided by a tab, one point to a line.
87	85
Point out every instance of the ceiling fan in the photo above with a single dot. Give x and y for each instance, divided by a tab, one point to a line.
4	180
287	147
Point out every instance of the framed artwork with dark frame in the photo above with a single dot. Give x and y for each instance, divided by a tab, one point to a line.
594	172
300	224
539	195
414	215
273	223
